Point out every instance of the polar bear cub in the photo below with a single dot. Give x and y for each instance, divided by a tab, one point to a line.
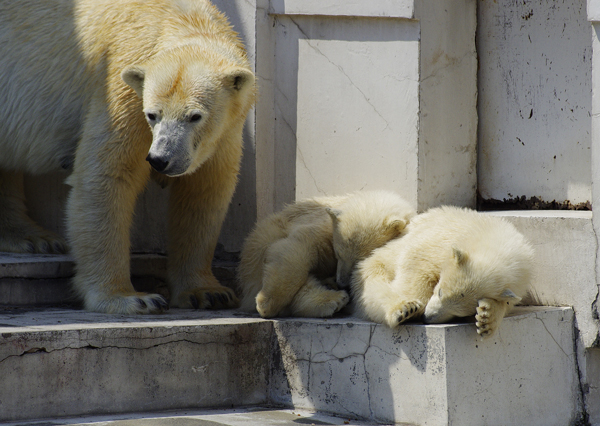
291	261
452	262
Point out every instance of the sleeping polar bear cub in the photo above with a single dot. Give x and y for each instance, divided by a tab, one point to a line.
293	261
452	262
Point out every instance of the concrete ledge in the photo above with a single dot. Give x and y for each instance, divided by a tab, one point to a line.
565	252
63	363
371	8
435	374
246	416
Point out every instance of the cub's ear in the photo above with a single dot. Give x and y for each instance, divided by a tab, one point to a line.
239	79
460	256
134	76
396	226
509	296
335	214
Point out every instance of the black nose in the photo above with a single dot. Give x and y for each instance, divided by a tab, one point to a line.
157	164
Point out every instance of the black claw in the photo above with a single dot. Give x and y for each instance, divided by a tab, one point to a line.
45	247
221	298
211	300
30	248
59	248
142	304
160	304
227	297
194	302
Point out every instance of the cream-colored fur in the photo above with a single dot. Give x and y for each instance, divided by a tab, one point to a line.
290	260
452	262
100	86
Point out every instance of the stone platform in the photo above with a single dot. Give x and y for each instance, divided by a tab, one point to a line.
56	363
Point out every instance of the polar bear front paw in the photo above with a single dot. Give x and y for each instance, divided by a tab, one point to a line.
214	297
127	304
488	317
403	312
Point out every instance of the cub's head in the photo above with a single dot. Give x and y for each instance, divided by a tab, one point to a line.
365	222
189	103
464	281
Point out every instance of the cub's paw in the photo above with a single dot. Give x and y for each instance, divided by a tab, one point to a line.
338	300
325	304
403	312
214	297
487	317
128	304
266	306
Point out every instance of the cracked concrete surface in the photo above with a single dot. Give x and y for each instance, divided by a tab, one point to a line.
432	374
61	362
67	362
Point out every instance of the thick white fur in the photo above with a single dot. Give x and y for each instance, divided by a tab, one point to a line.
66	104
289	261
452	262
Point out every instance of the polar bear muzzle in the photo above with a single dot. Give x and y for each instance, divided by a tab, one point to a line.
171	150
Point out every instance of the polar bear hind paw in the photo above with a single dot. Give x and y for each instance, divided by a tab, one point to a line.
405	311
32	240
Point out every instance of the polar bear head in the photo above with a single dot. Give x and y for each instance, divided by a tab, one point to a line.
190	102
465	280
365	222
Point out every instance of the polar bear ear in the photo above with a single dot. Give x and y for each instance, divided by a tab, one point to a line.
509	296
335	214
460	256
239	78
396	226
134	76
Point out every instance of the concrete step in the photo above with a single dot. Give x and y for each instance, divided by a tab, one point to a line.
246	416
56	363
44	279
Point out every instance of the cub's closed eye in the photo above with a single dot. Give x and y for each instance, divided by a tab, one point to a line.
195	117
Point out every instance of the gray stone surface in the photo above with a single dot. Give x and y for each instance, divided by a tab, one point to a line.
64	363
61	363
252	416
433	375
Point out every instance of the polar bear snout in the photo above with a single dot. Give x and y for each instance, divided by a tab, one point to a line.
169	156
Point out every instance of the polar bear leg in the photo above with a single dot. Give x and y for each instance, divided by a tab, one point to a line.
18	233
287	265
107	177
316	300
197	207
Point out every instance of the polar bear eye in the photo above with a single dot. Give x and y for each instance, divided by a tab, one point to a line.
195	118
151	116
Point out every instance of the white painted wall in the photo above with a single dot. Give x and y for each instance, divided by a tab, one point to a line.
534	100
362	98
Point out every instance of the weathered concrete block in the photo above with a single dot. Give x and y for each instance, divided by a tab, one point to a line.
434	375
565	262
65	363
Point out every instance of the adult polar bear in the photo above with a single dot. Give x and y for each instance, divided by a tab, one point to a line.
72	78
